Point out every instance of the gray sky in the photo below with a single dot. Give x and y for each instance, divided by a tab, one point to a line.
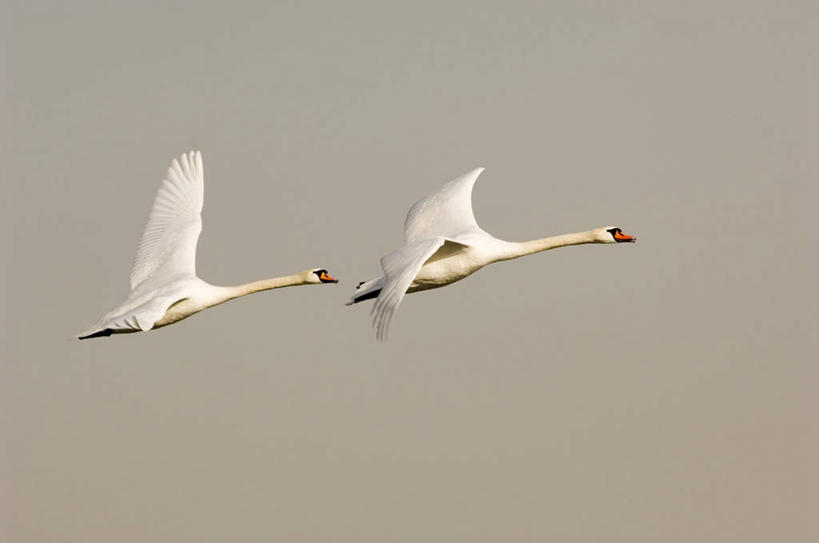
663	391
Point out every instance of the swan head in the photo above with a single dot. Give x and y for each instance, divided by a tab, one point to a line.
317	276
612	234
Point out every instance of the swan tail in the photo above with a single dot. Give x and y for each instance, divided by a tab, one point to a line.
98	333
108	328
368	296
366	290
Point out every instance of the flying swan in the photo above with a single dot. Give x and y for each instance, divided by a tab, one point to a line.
164	285
445	244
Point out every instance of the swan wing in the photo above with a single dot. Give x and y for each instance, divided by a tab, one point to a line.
400	268
446	212
168	246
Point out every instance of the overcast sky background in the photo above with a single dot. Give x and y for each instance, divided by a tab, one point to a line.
663	391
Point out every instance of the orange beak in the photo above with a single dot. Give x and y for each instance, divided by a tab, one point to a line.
327	279
619	236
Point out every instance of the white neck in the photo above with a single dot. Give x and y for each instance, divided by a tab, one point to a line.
229	293
210	295
515	250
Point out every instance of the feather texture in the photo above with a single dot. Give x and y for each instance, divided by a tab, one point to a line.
167	249
446	212
400	268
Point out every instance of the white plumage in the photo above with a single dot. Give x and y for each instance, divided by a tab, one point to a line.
164	285
444	244
446	212
168	245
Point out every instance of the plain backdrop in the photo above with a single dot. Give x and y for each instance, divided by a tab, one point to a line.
663	391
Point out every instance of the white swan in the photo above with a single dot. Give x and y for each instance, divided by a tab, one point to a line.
164	286
445	244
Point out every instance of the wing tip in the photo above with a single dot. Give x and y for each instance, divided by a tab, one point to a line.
193	156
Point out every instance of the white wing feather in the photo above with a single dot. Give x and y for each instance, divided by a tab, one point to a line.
446	212
400	268
167	249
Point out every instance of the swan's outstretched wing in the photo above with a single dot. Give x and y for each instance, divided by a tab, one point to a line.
400	268
168	246
446	212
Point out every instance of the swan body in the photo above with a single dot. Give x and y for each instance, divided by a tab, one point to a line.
164	285
444	244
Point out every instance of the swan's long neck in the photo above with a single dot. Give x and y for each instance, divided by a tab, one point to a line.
516	250
229	293
267	284
210	295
